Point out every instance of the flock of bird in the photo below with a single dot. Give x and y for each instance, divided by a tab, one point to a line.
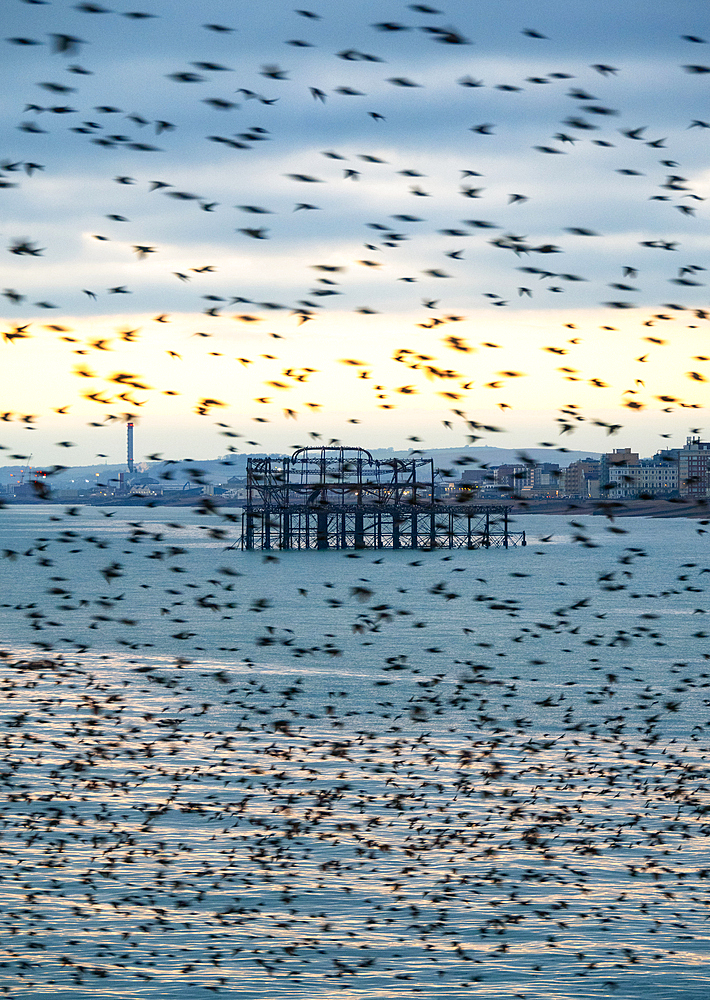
337	803
362	812
442	255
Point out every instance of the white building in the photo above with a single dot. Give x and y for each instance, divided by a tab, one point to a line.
631	480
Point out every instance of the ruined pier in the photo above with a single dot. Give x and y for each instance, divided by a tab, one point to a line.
343	498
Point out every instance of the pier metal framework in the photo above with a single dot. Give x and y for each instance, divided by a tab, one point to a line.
337	475
343	498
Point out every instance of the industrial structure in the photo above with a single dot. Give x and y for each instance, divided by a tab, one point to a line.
129	448
343	498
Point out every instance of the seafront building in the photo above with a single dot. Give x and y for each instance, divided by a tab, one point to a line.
581	479
694	468
643	479
680	472
616	459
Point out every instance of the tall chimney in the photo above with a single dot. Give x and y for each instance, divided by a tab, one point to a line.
129	444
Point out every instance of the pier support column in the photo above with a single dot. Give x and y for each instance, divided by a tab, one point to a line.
359	531
267	529
322	530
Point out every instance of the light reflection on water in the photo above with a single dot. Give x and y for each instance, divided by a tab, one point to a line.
513	809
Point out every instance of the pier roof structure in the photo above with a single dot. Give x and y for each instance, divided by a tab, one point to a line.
338	475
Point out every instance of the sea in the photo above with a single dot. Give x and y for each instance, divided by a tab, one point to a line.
371	774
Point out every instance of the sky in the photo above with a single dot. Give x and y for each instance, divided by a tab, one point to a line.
382	224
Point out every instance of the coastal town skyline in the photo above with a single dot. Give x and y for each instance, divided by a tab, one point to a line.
472	474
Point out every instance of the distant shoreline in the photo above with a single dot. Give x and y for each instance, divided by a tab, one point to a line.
616	508
680	507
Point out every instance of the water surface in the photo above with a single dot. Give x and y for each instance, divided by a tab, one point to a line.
317	775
